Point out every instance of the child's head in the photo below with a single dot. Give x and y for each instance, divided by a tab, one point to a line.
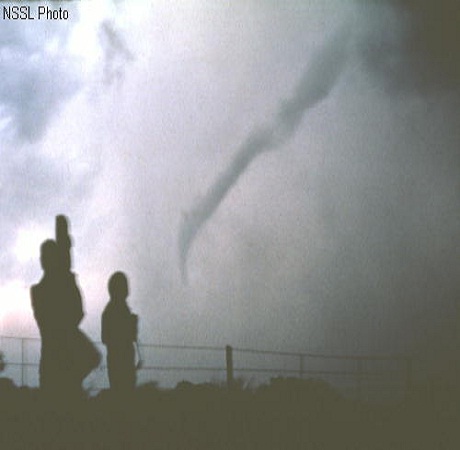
118	286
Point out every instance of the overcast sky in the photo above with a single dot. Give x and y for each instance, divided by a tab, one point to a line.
278	175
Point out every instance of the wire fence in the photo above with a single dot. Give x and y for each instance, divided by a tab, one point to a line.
364	377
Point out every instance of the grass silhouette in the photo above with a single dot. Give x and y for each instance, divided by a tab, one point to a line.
287	413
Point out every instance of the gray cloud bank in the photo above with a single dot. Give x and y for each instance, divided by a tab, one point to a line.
410	46
37	76
389	262
39	175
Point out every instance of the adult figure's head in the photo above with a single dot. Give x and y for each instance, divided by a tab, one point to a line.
49	256
118	286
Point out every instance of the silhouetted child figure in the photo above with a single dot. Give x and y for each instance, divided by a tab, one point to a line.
58	310
119	334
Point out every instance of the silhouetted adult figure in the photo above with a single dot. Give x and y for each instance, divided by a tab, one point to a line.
58	310
119	334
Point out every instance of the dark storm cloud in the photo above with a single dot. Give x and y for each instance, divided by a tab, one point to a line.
412	45
391	223
389	207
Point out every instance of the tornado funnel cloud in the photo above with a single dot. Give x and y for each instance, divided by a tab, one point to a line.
316	83
192	221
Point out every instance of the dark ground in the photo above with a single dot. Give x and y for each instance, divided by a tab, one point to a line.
286	414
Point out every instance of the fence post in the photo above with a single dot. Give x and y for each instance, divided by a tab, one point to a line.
229	359
301	365
23	369
408	377
359	380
